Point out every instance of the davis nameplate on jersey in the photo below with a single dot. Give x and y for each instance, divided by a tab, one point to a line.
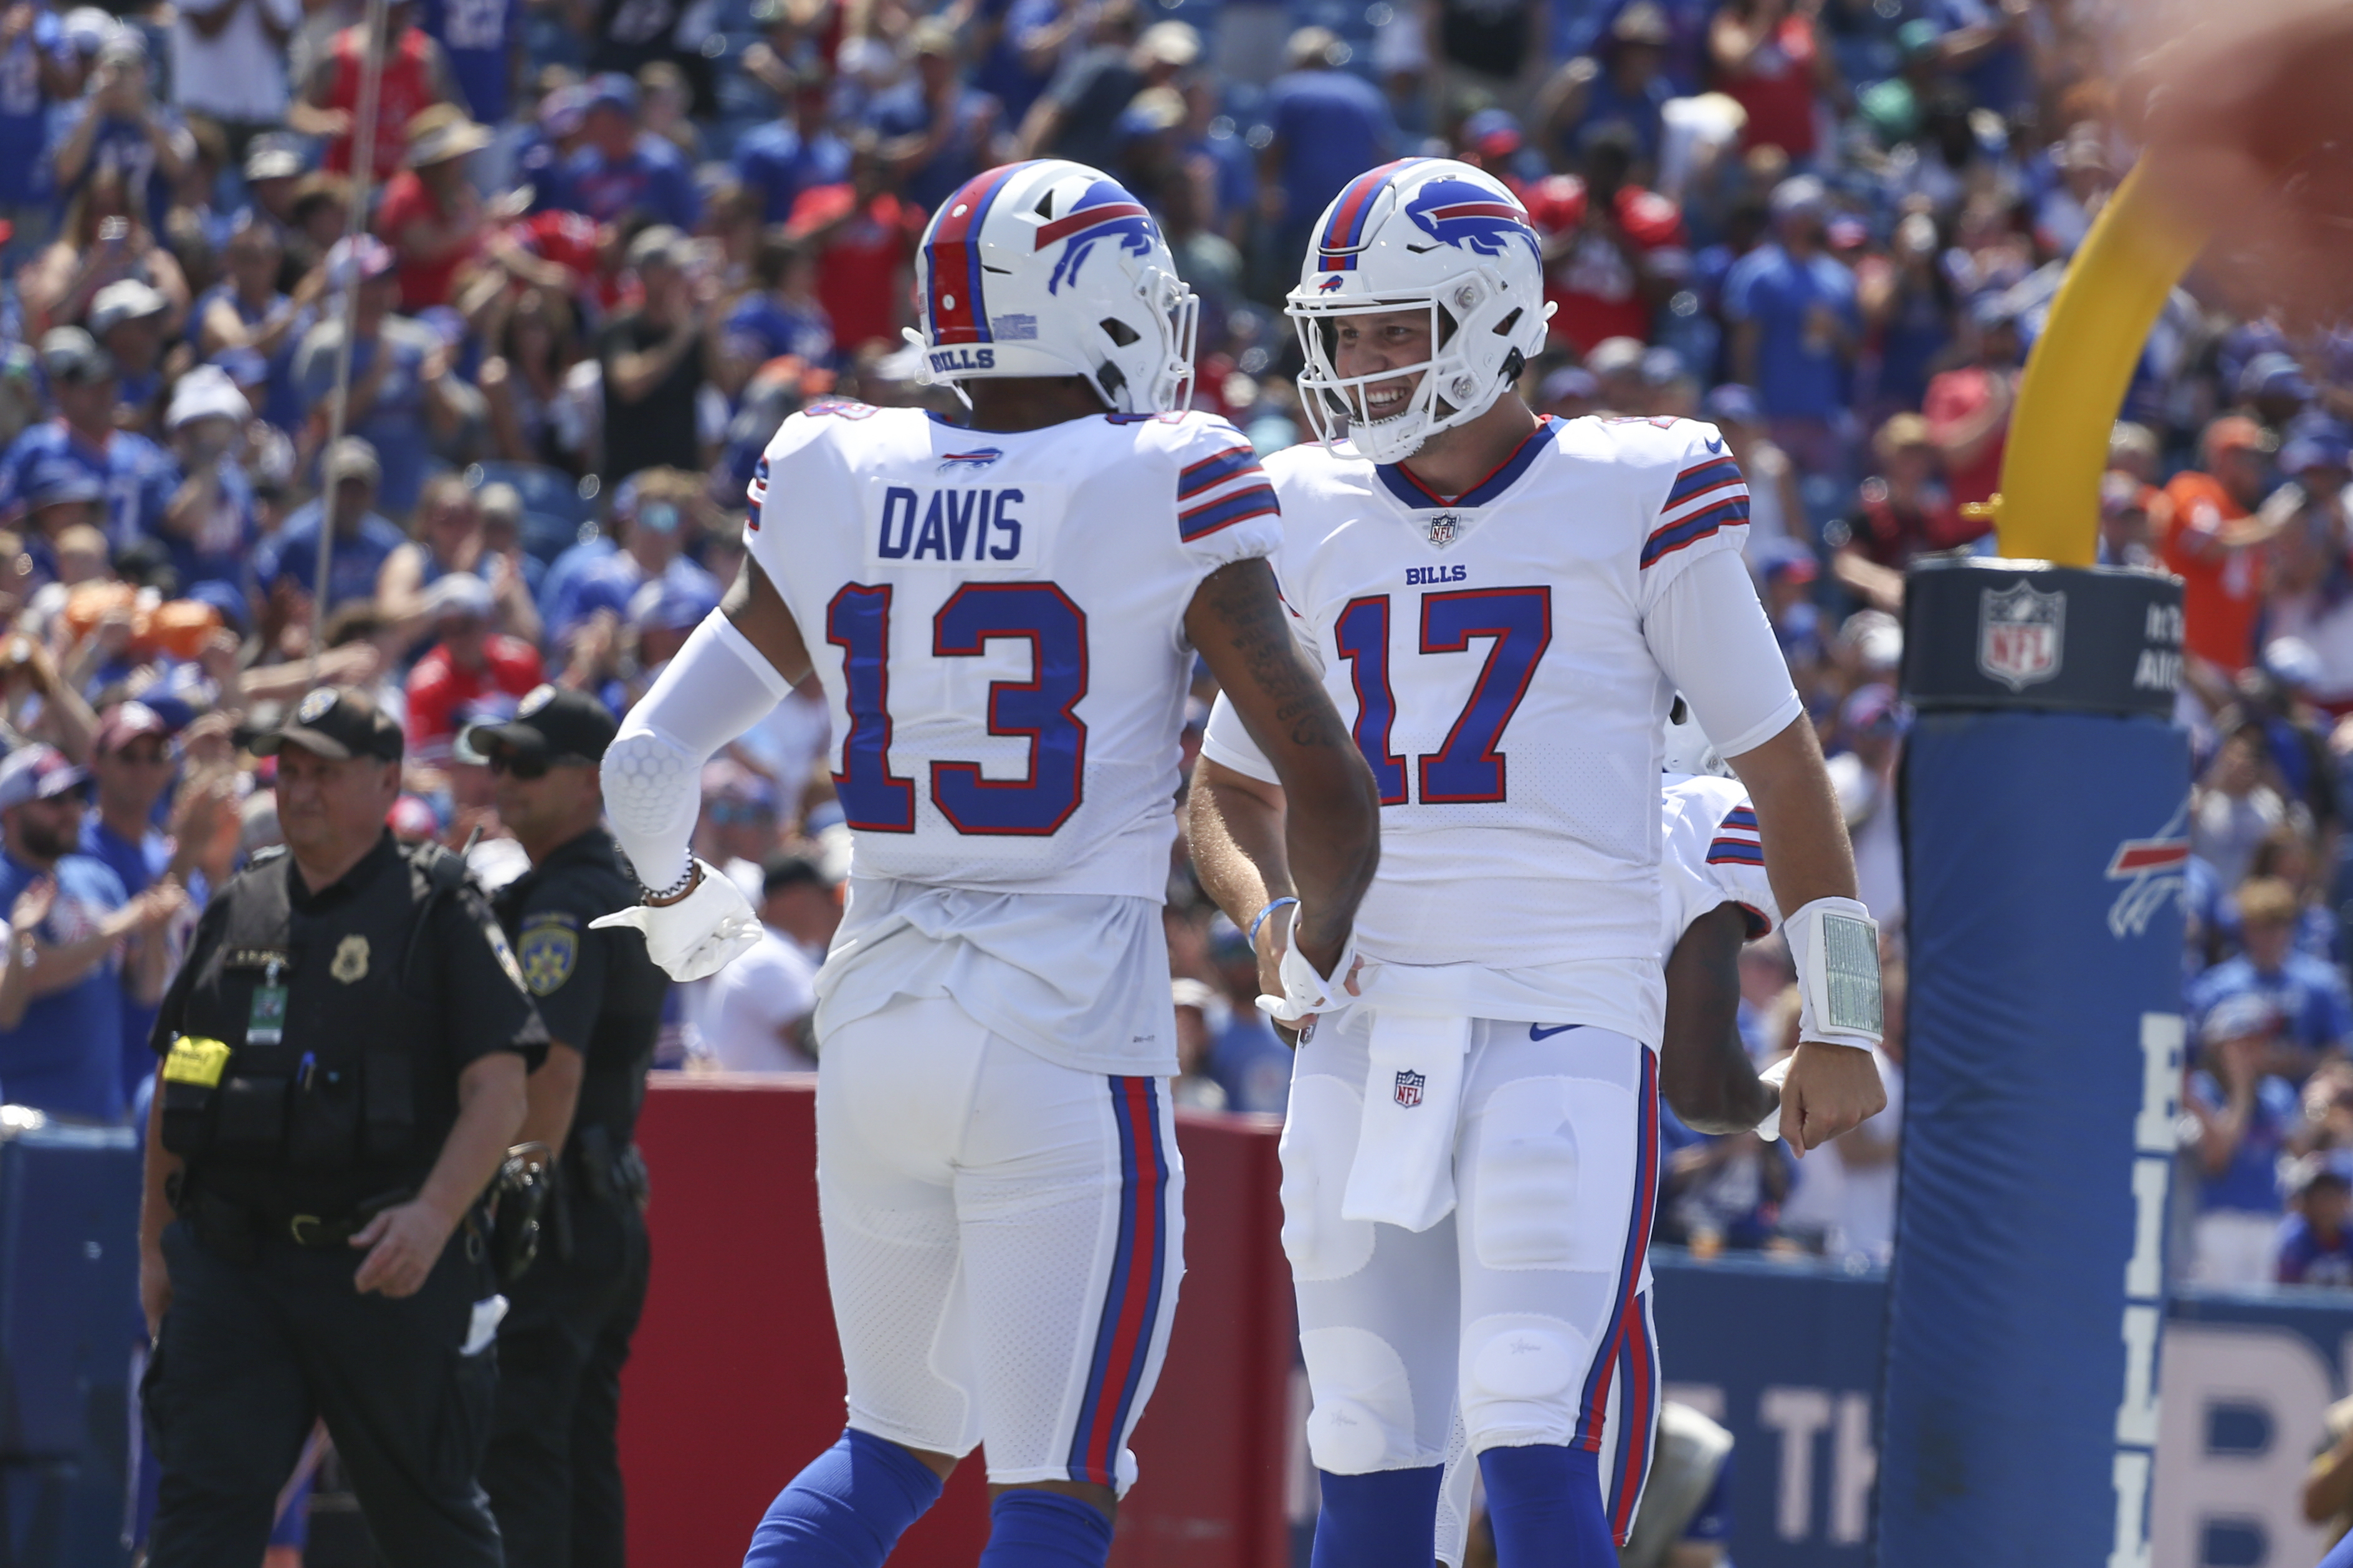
2022	635
1409	1088
971	525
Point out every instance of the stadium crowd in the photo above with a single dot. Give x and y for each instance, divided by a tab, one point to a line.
605	246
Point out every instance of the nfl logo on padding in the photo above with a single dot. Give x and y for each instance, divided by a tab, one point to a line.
1409	1088
2022	635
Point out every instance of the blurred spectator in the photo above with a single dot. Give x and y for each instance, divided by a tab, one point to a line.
2126	537
483	42
757	1016
2306	1011
127	319
1325	126
793	153
1201	1016
620	170
209	523
229	65
247	310
102	240
2213	541
1871	725
133	473
1777	512
1908	304
1613	250
287	568
120	130
39	69
1968	407
1623	84
402	392
2242	1114
1078	115
1791	307
864	239
740	822
467	663
656	358
96	943
1769	57
936	132
415	74
431	215
2315	1246
781	314
1903	512
1488	51
2235	806
1249	1061
450	539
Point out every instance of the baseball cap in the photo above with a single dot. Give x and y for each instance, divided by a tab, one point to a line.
1733	404
1176	44
1642	23
611	90
1493	132
38	772
412	816
560	112
1615	356
73	356
660	245
1567	383
336	722
1662	366
2232	1018
124	45
125	723
787	870
363	253
207	392
668	605
271	160
2269	374
2293	663
2317	446
1800	195
553	723
352	458
459	595
55	481
128	299
1785	558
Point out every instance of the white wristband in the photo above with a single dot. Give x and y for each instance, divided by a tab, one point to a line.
1835	944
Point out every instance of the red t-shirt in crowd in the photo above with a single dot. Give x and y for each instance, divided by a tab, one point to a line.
1778	90
404	86
1594	284
1955	397
860	274
423	284
2221	590
569	240
441	689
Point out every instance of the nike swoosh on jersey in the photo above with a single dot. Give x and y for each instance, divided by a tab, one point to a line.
1715	446
1538	1033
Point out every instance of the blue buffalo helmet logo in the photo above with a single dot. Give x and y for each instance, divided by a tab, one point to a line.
1336	280
1469	216
1106	212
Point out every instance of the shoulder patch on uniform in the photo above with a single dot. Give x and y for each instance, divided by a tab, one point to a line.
547	952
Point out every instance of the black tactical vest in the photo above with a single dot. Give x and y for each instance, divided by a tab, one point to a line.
332	1112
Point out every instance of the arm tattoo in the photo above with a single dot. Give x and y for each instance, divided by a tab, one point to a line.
1253	622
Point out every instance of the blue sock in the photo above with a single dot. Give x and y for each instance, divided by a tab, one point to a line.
847	1510
1033	1529
1545	1503
1385	1520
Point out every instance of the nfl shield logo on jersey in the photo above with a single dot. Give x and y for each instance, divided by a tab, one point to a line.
1409	1088
1444	527
2022	635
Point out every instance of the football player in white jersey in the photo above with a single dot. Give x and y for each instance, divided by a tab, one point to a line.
1502	606
1004	615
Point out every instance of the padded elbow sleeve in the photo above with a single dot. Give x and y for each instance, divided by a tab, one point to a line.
717	687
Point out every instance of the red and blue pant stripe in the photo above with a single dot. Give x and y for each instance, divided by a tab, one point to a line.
1628	1354
1132	1296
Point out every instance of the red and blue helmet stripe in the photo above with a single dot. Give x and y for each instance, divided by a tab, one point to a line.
1343	236
953	304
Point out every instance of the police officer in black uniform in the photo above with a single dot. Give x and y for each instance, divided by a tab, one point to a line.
344	1055
552	1471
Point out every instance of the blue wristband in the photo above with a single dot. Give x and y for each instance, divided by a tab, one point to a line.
1258	918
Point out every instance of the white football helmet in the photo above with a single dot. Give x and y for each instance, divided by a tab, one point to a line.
1049	268
1426	233
1688	749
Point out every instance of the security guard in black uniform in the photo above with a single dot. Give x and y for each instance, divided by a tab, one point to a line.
552	1471
344	1055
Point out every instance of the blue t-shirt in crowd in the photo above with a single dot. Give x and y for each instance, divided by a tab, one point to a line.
2305	1257
282	403
137	865
221	548
66	1056
762	327
775	160
1252	1065
1332	127
1796	378
610	583
478	38
559	590
1643	112
123	145
24	111
139	477
395	422
2250	1183
903	110
351	567
2308	995
652	177
1003	73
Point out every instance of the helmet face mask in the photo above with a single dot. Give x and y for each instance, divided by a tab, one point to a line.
1421	234
1051	268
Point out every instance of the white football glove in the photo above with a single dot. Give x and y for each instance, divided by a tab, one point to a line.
1304	992
702	933
1770	1128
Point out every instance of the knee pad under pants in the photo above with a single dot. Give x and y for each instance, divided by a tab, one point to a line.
1521	1309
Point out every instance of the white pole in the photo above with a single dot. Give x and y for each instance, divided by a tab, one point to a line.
362	176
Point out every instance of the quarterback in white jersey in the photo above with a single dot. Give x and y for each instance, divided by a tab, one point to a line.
1005	617
1502	608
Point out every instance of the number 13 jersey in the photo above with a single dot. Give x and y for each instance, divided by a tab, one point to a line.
1496	658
